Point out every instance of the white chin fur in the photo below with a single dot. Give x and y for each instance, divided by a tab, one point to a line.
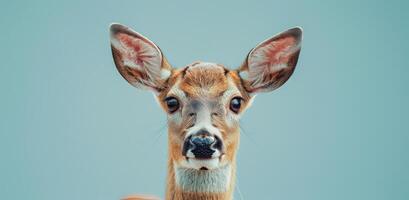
192	180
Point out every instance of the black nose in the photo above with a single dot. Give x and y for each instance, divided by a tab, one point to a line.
202	144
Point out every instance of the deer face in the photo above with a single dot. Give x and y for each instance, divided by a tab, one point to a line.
204	101
204	105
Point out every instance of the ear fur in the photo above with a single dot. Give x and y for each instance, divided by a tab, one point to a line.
271	63
138	59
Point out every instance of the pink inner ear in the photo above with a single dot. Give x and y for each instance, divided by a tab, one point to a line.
136	52
275	52
133	46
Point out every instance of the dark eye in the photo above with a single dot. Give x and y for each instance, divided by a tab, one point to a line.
172	103
235	104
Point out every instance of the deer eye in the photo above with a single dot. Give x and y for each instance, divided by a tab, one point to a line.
172	103
235	104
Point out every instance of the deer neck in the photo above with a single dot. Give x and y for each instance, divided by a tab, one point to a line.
216	184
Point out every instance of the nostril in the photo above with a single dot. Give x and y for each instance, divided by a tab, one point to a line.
187	145
218	144
191	114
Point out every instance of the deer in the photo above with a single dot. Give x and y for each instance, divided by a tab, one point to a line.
203	102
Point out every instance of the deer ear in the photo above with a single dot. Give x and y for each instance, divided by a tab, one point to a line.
271	63
138	59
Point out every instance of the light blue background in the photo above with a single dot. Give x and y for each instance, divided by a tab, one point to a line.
72	128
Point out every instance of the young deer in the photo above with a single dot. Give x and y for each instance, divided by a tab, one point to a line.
203	102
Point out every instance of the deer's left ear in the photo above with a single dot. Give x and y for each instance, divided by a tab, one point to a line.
271	63
138	59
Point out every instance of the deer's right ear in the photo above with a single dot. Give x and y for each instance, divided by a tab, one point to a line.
271	63
138	59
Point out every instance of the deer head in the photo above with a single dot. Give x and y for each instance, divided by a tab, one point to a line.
203	103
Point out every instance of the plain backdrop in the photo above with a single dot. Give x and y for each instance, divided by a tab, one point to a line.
72	128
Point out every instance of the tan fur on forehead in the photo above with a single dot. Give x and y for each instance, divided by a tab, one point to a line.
204	79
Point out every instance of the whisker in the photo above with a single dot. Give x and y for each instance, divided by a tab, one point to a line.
244	131
238	189
159	133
